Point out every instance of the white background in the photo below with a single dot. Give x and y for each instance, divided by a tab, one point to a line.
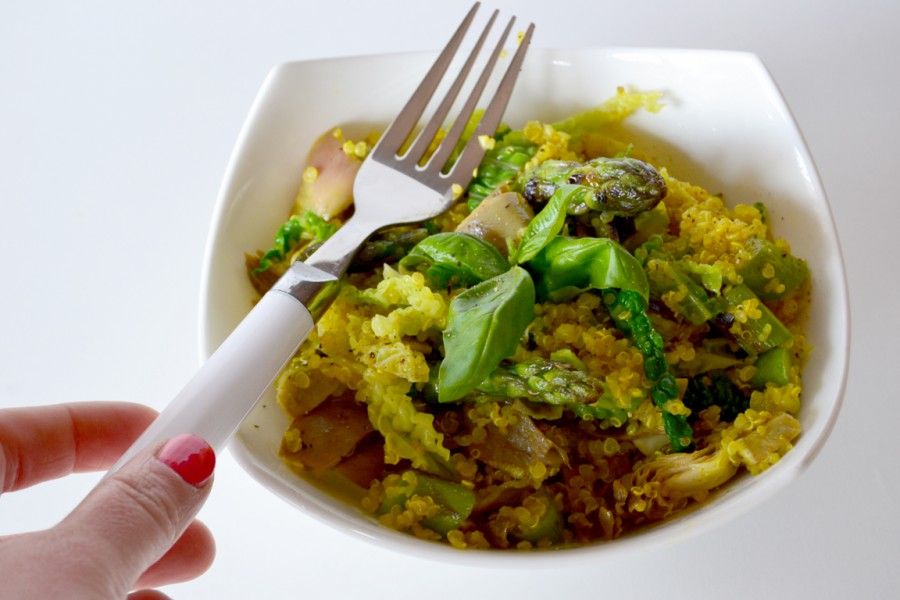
116	122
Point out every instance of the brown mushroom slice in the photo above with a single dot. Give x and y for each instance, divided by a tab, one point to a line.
328	189
328	433
264	280
500	218
519	450
366	464
298	393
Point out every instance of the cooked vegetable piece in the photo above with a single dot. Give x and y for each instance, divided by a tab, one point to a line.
387	246
306	227
501	164
454	501
328	433
773	366
684	474
760	330
366	463
547	526
484	325
554	383
298	394
327	184
717	389
492	497
499	220
629	312
756	440
710	277
691	300
455	259
706	360
771	273
519	449
649	223
536	520
616	186
569	266
613	110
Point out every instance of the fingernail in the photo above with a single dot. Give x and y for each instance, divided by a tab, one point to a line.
189	456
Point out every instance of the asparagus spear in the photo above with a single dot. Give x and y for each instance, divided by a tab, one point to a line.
616	186
556	383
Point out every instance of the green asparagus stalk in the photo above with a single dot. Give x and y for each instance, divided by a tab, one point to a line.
756	335
771	273
387	246
555	383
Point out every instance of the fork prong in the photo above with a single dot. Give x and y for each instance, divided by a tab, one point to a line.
423	140
472	154
403	124
436	162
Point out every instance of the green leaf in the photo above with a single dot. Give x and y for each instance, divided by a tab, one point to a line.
548	223
308	226
568	266
614	110
484	326
500	165
450	259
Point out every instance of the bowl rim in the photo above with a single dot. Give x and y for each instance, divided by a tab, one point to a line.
663	534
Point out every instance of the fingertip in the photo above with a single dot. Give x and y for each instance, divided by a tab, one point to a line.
148	595
191	457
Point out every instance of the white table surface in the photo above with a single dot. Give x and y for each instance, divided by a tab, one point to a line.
116	121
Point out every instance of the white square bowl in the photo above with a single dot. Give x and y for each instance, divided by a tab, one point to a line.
725	127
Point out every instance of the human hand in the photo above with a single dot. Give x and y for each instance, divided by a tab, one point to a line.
135	530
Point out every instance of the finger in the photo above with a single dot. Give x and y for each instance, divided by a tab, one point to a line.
190	557
132	518
147	595
47	442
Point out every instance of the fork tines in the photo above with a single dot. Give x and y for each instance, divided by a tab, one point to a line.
391	143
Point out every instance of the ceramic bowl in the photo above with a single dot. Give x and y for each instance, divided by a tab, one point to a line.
725	127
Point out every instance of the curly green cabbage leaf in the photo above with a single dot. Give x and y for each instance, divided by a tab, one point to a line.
408	433
306	227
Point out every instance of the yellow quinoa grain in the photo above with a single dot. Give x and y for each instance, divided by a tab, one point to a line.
310	174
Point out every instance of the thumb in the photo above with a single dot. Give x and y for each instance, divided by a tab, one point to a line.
133	517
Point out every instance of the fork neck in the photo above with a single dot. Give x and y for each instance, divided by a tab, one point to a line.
336	253
314	281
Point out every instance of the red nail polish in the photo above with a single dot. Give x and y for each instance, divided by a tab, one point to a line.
189	456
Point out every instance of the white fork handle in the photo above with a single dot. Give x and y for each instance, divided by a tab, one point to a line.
224	390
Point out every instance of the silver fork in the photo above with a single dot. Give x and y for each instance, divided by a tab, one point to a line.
390	189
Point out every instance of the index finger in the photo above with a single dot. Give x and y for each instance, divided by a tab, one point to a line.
46	442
